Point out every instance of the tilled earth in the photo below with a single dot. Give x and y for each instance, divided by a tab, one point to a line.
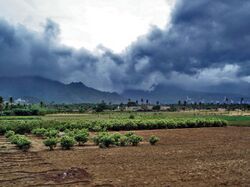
183	157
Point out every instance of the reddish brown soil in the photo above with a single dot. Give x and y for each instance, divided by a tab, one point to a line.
183	157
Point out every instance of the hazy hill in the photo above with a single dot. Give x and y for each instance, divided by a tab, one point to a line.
42	89
36	89
171	93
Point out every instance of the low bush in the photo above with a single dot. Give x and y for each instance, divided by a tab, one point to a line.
23	143
153	140
51	143
14	139
81	136
134	139
123	141
9	134
116	137
106	140
96	138
51	133
40	132
2	129
67	142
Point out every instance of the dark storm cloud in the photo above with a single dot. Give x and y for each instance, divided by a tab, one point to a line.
203	34
29	53
207	41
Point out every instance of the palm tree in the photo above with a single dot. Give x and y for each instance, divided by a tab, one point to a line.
241	100
142	100
11	100
41	104
1	100
1	103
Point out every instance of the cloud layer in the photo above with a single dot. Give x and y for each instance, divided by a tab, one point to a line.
207	43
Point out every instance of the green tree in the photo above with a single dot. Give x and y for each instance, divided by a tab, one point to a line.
11	101
41	104
1	104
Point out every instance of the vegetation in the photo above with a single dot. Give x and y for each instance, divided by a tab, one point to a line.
54	126
22	142
9	134
51	143
67	142
81	136
134	139
40	132
153	140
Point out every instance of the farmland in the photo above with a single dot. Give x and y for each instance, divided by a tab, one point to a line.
191	148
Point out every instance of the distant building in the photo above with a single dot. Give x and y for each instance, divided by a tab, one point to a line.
165	108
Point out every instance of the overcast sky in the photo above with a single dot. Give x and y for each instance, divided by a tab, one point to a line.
115	45
89	23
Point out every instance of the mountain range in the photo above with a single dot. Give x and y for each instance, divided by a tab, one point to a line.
36	89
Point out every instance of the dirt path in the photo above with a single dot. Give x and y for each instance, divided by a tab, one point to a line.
183	157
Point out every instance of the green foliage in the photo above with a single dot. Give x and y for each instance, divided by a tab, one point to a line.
14	139
51	133
134	139
9	134
128	134
131	116
2	129
96	138
26	126
22	142
81	136
116	137
123	141
153	140
67	142
40	132
51	143
106	140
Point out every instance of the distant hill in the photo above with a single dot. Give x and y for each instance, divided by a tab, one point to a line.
37	89
171	93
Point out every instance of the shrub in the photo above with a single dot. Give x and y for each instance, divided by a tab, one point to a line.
2	129
23	128
9	134
123	141
131	116
128	134
67	142
23	143
134	139
96	138
116	137
82	136
51	133
51	143
14	139
153	140
39	132
106	140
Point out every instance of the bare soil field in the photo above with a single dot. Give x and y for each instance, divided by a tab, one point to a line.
183	157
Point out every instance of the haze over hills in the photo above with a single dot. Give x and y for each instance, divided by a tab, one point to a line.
42	89
36	89
172	94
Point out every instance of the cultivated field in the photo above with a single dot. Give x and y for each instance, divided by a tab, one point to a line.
214	156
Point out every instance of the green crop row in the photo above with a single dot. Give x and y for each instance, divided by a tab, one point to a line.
22	127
